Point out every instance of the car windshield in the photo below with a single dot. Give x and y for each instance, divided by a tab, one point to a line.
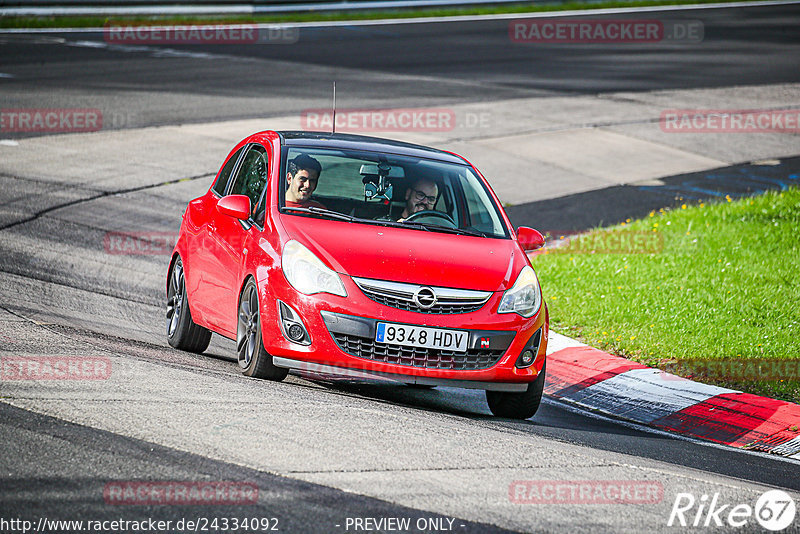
387	189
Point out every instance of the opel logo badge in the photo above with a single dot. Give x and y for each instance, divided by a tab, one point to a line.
425	298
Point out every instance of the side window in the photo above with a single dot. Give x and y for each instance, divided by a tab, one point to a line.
479	208
447	200
225	174
252	175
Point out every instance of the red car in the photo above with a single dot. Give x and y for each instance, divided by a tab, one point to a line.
361	257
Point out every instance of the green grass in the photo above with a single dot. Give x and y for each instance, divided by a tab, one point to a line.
311	16
725	285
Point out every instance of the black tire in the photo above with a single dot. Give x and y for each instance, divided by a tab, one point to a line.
182	332
253	359
517	405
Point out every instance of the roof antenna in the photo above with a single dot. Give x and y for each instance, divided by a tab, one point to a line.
333	126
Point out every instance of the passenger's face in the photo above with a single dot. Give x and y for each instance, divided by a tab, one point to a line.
301	185
421	196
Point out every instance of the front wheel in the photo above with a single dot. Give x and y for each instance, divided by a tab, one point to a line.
182	332
253	359
517	405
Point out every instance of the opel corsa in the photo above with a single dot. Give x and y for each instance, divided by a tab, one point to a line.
359	257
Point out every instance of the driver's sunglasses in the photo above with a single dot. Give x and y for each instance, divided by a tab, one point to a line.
420	196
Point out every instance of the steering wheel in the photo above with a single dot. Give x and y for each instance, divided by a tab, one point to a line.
437	216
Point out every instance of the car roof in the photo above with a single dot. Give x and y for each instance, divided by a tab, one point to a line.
365	143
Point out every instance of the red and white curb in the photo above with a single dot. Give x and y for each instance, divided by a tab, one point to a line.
614	386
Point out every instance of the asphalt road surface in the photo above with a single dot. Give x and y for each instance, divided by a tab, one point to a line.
320	455
375	66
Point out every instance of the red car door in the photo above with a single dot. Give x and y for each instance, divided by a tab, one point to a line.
226	241
198	264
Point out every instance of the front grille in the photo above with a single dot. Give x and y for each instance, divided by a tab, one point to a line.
364	347
401	295
410	306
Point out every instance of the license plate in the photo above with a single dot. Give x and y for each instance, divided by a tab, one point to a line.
421	336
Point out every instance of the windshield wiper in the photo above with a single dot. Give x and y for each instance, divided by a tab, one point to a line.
407	224
321	211
428	227
397	224
449	230
414	224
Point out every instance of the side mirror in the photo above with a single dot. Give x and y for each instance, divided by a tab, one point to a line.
529	239
236	206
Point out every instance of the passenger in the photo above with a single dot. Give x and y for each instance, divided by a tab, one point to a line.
420	196
301	178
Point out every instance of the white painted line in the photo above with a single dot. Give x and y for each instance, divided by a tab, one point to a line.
87	44
645	395
791	447
579	409
130	10
557	342
540	14
455	18
154	51
382	4
246	9
8	142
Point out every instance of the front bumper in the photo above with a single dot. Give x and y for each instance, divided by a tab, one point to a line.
328	371
342	334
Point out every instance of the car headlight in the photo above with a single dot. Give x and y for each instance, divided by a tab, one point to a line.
307	273
524	297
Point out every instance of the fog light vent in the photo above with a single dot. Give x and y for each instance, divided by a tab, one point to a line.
528	355
295	332
292	327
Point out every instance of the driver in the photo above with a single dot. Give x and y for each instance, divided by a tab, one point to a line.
420	196
301	178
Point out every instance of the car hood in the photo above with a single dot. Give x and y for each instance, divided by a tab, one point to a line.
406	255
